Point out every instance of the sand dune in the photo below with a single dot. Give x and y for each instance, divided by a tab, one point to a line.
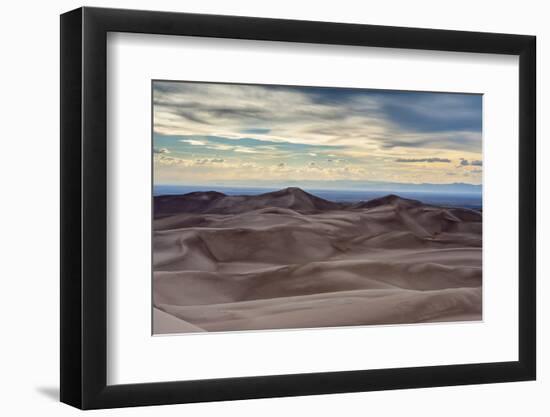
289	259
214	202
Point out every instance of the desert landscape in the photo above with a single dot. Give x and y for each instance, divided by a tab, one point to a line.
288	259
292	207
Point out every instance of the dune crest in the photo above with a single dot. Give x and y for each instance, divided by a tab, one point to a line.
289	259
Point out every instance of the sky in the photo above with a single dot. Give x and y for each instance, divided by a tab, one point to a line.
210	133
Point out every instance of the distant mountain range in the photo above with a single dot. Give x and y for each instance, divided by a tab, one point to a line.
394	187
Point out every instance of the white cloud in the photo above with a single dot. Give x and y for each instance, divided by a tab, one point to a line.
244	149
193	142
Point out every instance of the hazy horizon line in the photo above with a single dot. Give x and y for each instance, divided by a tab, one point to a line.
336	184
457	189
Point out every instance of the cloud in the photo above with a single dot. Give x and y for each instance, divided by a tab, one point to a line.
244	149
320	116
429	160
160	150
474	163
241	145
350	133
462	141
315	166
194	142
209	161
163	160
256	131
434	112
219	147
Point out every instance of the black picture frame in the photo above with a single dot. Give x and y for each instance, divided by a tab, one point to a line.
84	207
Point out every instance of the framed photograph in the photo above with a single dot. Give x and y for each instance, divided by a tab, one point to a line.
259	208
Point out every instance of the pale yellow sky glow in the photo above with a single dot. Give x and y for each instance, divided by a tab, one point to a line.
206	133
